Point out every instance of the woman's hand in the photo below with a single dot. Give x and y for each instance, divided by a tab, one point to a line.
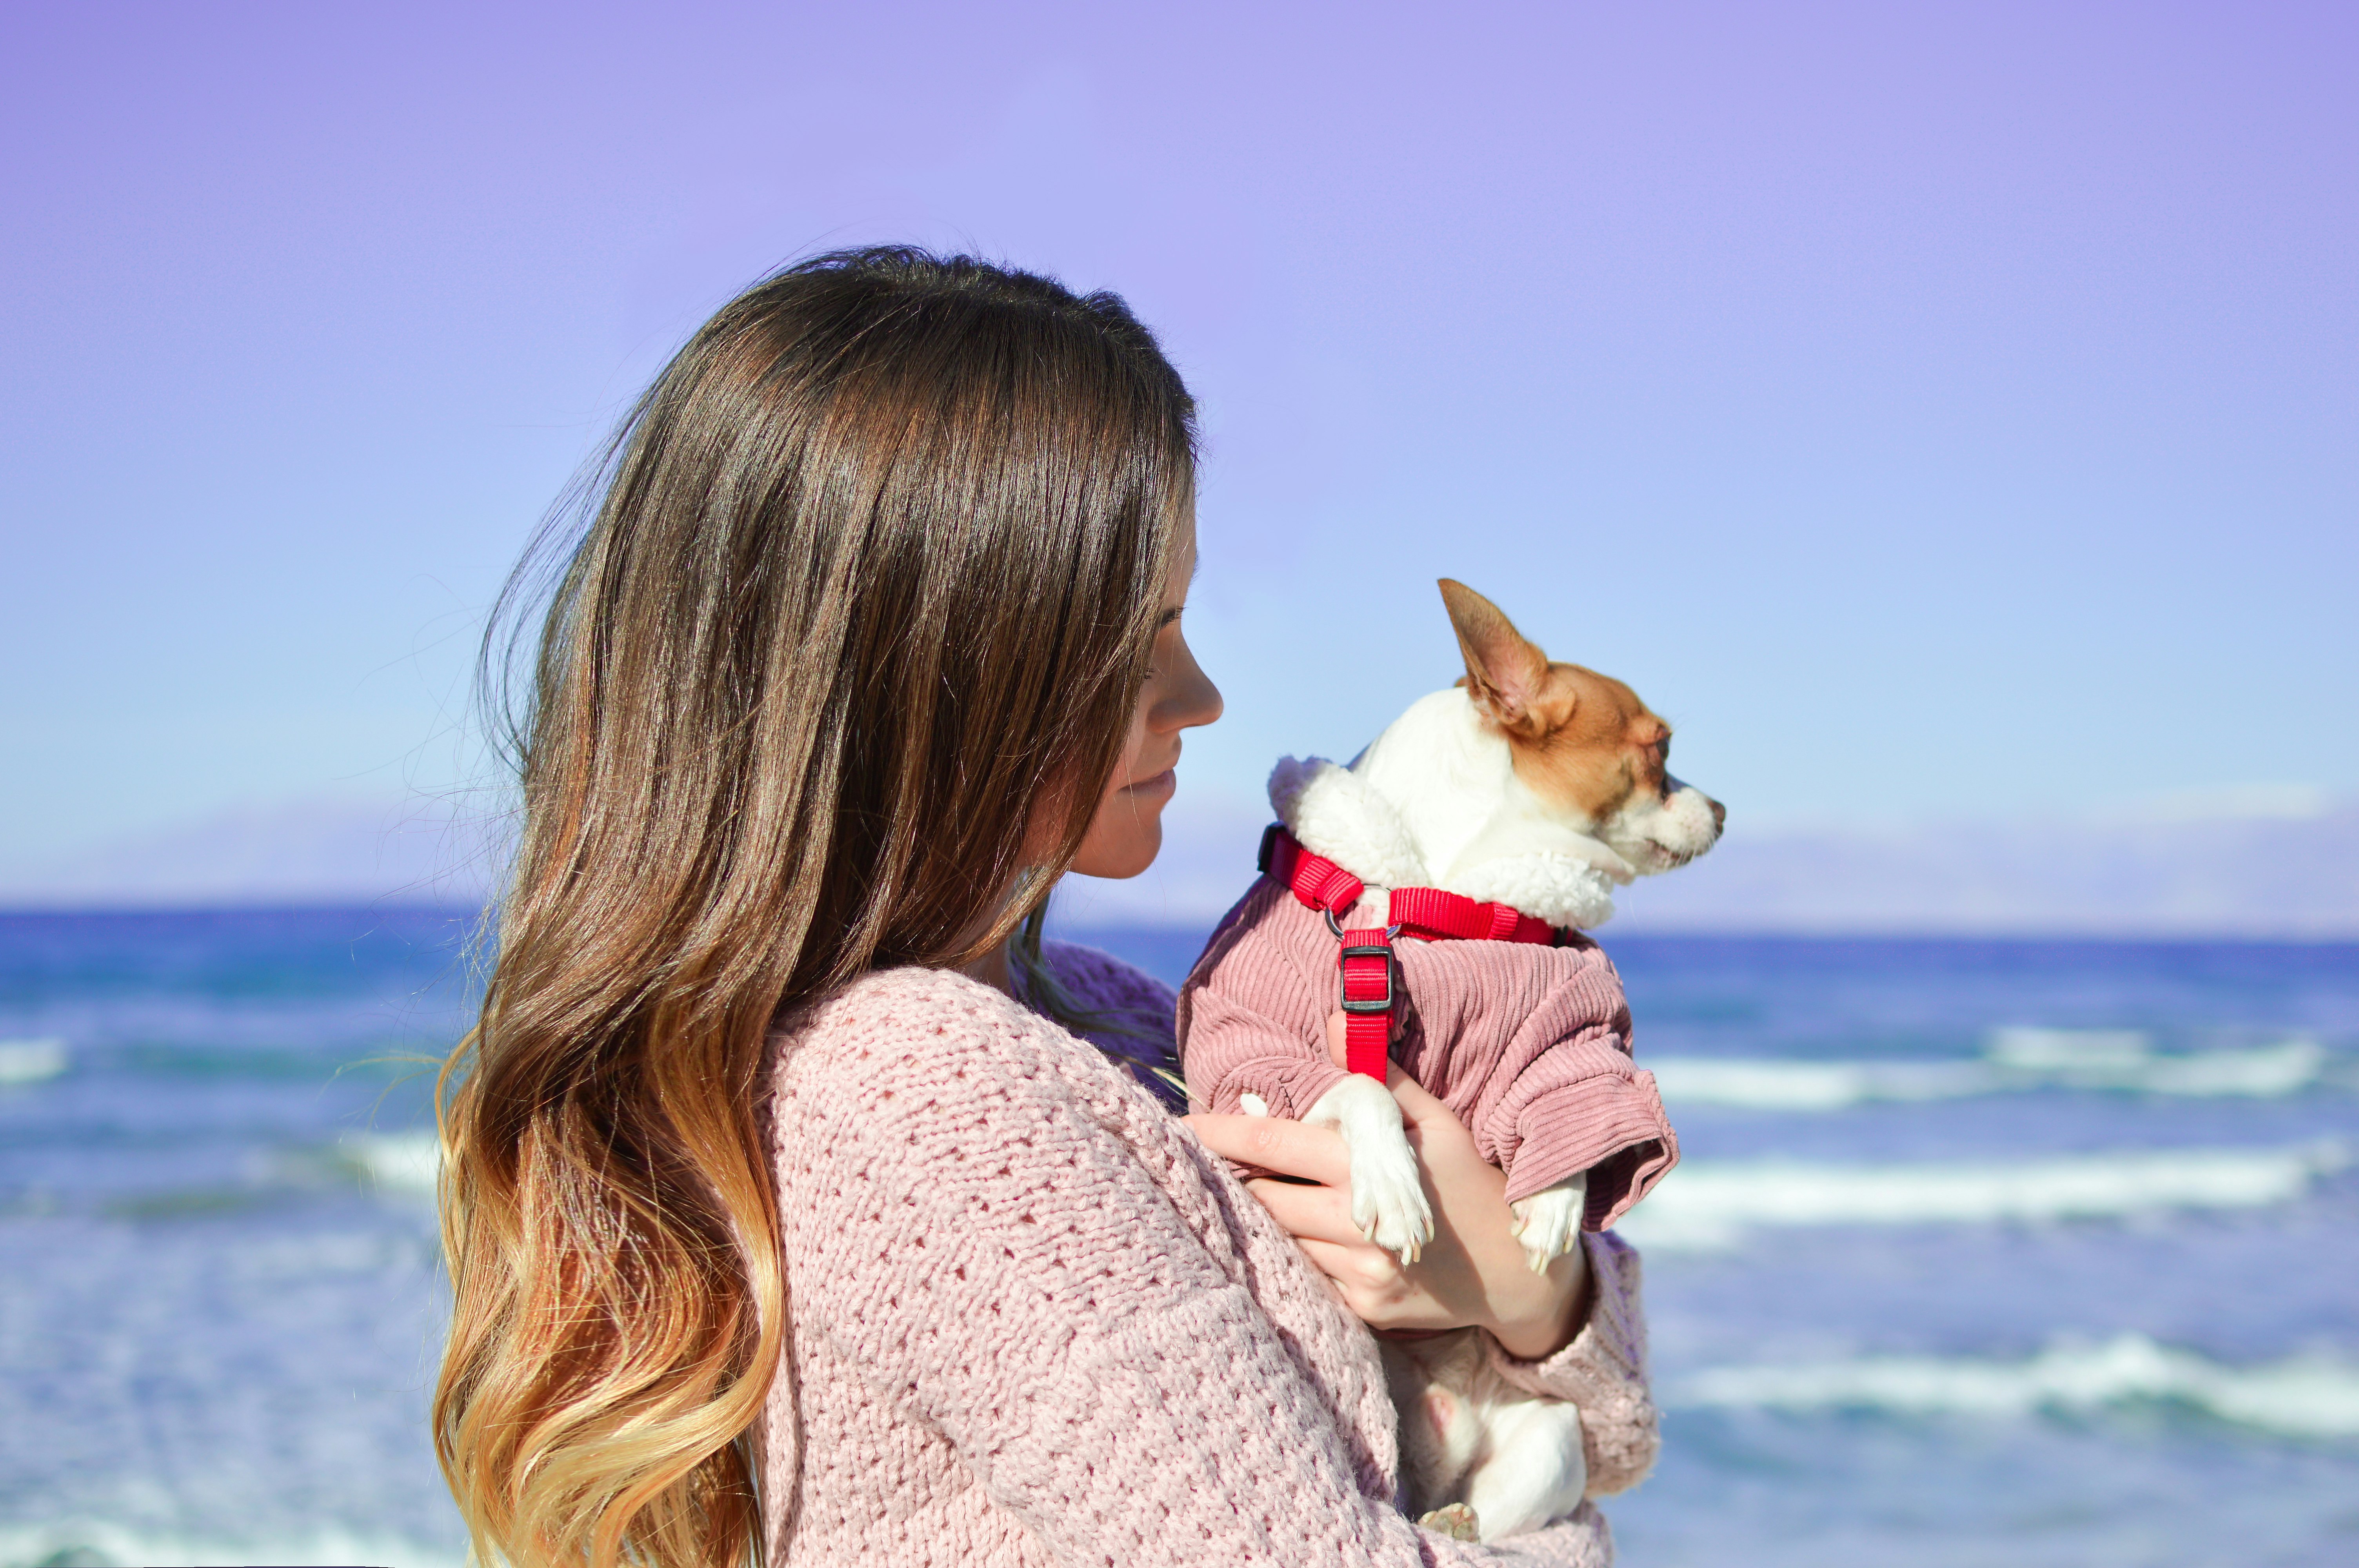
1473	1273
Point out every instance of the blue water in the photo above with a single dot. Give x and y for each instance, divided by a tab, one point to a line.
1922	1292
215	1331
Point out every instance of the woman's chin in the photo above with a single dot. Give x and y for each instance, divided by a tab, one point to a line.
1139	845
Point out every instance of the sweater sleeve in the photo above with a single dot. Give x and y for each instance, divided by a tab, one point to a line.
1604	1371
997	1262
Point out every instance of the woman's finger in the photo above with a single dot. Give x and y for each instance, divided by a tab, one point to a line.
1274	1143
1359	1267
1316	1213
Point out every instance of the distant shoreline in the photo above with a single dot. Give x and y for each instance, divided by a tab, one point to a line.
1611	935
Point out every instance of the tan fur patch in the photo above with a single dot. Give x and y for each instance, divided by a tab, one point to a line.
1582	742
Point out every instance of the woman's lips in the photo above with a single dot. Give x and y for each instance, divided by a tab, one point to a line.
1162	784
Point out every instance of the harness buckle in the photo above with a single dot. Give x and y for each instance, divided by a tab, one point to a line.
1365	1004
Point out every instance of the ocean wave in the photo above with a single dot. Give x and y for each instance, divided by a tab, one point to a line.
2310	1396
30	1061
2014	1060
78	1542
1767	1085
400	1163
1711	1204
2126	1059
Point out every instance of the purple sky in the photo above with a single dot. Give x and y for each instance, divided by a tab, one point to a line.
1954	414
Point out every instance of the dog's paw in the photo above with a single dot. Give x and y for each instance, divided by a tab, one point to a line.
1549	1222
1389	1203
1453	1521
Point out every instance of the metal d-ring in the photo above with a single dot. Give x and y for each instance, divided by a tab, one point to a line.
1337	930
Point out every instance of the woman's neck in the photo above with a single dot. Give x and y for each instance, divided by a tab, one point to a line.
991	969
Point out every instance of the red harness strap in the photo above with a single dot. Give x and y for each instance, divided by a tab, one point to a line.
1364	956
1365	960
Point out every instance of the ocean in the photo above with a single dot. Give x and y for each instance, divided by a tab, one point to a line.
1980	1252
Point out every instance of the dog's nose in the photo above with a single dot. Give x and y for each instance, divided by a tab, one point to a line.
1719	815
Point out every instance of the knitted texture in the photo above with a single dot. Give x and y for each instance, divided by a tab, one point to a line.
1034	1319
1529	1046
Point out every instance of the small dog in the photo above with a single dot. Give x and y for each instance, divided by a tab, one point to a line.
1532	785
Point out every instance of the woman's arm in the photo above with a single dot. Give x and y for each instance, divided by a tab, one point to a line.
1604	1371
1473	1273
996	1263
1578	1333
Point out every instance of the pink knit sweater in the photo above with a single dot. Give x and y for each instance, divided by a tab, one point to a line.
1034	1319
1529	1047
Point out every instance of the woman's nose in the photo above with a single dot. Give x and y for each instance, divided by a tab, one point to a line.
1191	699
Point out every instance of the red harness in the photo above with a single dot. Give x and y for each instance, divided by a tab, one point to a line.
1366	956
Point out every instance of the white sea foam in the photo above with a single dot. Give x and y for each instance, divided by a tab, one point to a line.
2126	1059
403	1164
2042	1050
91	1540
1711	1204
1768	1085
2304	1397
2013	1060
30	1061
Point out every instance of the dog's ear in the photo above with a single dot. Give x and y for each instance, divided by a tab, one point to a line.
1503	669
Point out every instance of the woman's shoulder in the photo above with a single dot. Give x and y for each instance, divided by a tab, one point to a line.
951	1096
928	1022
920	1035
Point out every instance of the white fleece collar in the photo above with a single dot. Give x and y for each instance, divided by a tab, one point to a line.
1332	812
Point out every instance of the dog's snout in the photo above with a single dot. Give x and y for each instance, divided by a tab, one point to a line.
1719	814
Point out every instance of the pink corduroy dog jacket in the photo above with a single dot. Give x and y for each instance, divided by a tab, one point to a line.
1529	1047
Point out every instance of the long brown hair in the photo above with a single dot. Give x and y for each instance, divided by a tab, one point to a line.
864	600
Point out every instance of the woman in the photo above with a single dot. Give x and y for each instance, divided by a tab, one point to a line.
776	1222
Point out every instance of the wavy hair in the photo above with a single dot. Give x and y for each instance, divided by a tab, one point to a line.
864	602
